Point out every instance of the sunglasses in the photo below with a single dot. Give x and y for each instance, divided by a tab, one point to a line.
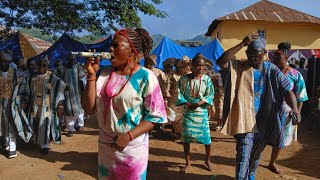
42	65
255	52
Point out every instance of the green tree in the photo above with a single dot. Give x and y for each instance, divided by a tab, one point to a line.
58	16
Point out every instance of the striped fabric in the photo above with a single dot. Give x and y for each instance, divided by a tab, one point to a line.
271	117
299	89
258	146
238	105
73	77
244	143
20	108
7	105
46	92
195	124
218	96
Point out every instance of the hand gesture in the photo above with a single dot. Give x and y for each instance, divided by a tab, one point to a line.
193	106
92	65
121	142
249	38
295	117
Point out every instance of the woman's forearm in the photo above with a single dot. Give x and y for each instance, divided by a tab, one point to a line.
143	127
89	97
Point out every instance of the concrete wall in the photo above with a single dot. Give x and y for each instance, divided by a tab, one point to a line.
300	35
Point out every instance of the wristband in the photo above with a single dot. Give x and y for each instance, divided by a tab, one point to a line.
129	135
91	79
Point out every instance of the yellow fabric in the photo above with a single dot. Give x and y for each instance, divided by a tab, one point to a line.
241	117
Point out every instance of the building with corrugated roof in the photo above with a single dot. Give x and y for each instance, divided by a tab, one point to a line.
274	22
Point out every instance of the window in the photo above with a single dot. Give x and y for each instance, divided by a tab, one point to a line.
262	33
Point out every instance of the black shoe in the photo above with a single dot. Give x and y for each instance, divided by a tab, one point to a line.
12	154
45	150
77	128
69	134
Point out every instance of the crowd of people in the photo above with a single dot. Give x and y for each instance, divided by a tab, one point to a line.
256	101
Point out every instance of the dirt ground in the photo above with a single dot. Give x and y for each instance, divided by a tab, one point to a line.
76	158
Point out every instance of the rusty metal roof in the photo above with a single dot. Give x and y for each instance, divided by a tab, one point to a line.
266	11
41	44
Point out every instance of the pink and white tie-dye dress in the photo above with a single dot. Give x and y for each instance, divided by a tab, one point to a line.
140	99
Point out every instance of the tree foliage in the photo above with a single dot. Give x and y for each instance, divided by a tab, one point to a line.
58	16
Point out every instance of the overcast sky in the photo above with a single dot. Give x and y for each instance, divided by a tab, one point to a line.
189	18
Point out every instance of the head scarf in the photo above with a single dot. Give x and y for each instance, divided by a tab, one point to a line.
169	61
6	55
284	47
153	58
258	43
209	63
186	61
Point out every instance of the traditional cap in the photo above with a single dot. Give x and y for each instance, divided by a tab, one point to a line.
6	55
186	58
260	42
169	61
152	58
184	62
284	47
209	63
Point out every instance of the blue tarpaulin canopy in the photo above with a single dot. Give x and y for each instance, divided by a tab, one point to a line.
66	44
168	49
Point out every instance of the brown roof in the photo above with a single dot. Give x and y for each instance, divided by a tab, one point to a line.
266	11
40	44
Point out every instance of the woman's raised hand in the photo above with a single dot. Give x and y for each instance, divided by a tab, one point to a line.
92	65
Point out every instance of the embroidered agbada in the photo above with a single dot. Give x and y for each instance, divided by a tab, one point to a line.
46	92
195	124
140	99
74	79
299	89
9	103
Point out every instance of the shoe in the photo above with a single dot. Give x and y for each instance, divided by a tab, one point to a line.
7	148
218	128
12	154
69	134
77	128
45	150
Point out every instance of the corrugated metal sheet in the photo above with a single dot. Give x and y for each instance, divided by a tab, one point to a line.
266	11
41	44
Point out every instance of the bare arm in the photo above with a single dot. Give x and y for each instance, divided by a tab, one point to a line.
229	54
291	100
300	104
143	127
89	96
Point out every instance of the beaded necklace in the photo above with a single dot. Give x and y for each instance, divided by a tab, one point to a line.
121	89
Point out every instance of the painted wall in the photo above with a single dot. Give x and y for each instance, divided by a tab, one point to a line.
300	35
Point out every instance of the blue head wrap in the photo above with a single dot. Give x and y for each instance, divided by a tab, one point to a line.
258	43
